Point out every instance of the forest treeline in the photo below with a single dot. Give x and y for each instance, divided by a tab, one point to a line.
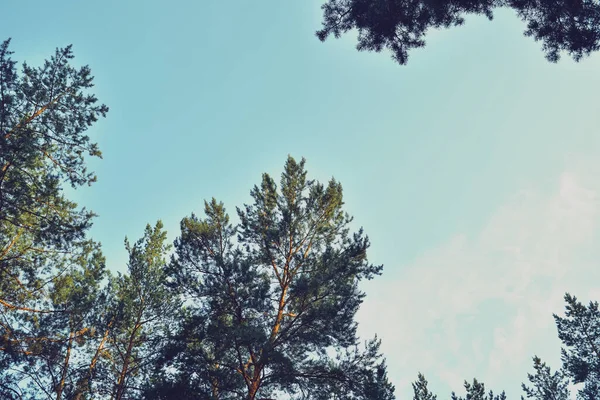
263	308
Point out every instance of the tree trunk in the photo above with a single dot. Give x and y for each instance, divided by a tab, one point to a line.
215	388
255	385
63	377
84	385
120	389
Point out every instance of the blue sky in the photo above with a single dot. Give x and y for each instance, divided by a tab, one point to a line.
474	169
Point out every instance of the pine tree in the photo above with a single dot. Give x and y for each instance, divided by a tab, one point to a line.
476	391
141	306
270	303
72	330
545	384
579	332
421	391
401	25
44	253
92	378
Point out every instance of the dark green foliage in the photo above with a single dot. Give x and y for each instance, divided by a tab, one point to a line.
141	308
50	273
44	113
271	310
76	294
579	332
590	391
476	391
262	309
545	384
401	25
45	354
421	391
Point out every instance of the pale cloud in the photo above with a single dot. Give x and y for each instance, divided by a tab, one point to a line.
482	306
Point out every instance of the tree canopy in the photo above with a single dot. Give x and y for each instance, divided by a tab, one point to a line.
562	26
50	272
579	332
258	308
270	302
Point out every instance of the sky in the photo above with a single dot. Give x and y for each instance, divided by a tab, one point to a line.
474	170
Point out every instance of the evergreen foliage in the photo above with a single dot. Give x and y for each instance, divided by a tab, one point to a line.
545	384
579	332
476	391
568	26
421	390
260	309
270	302
49	270
141	310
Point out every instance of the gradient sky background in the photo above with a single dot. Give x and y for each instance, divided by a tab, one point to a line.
475	169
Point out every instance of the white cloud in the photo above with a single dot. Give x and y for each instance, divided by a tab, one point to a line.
483	306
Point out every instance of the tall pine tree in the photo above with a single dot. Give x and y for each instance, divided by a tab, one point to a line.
45	257
270	303
141	307
546	385
579	331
